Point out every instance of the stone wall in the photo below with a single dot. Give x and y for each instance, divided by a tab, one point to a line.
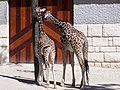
104	43
4	32
96	13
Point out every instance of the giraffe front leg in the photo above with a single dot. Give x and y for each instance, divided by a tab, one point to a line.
40	75
72	65
46	55
53	75
64	67
52	57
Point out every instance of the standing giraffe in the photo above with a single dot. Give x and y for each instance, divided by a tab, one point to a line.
47	48
75	41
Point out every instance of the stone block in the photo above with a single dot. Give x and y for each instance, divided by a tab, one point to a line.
96	57
82	28
106	65
4	31
116	41
94	30
111	30
115	65
91	49
100	41
108	49
89	41
97	49
3	11
118	49
110	41
4	55
4	41
112	57
94	49
98	64
91	64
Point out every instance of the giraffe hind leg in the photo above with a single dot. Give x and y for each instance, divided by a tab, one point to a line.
52	57
81	62
72	65
46	57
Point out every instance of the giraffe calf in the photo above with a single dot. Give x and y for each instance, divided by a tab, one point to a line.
47	49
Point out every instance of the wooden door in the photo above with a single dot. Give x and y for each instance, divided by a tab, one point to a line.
21	49
20	35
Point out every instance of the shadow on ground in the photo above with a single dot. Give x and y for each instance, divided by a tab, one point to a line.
67	86
20	79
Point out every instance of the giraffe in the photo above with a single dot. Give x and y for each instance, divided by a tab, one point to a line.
75	41
47	48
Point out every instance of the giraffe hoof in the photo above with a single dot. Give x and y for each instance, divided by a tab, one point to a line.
39	83
82	87
73	84
62	82
54	85
47	86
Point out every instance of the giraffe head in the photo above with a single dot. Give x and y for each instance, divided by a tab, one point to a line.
39	13
43	12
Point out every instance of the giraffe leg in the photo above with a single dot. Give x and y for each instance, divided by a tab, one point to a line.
46	55
47	76
39	78
64	66
72	65
82	86
40	72
52	56
53	76
81	62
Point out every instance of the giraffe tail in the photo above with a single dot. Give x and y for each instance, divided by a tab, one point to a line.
85	56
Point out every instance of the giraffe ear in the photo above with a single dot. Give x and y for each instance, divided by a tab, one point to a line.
43	10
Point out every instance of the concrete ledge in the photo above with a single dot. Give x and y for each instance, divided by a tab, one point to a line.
105	65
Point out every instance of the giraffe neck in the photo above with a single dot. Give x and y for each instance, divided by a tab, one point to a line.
40	25
56	22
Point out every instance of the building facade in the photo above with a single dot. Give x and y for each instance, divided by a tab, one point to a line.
99	20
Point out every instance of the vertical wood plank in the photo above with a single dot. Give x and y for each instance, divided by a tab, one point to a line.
23	55
12	21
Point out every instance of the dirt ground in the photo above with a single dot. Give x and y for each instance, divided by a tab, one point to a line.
21	77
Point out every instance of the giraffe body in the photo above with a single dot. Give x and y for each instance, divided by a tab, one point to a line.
74	41
47	48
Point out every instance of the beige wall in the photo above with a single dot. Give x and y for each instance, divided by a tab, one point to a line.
4	32
104	42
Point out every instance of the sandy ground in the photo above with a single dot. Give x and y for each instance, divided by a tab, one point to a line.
21	77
